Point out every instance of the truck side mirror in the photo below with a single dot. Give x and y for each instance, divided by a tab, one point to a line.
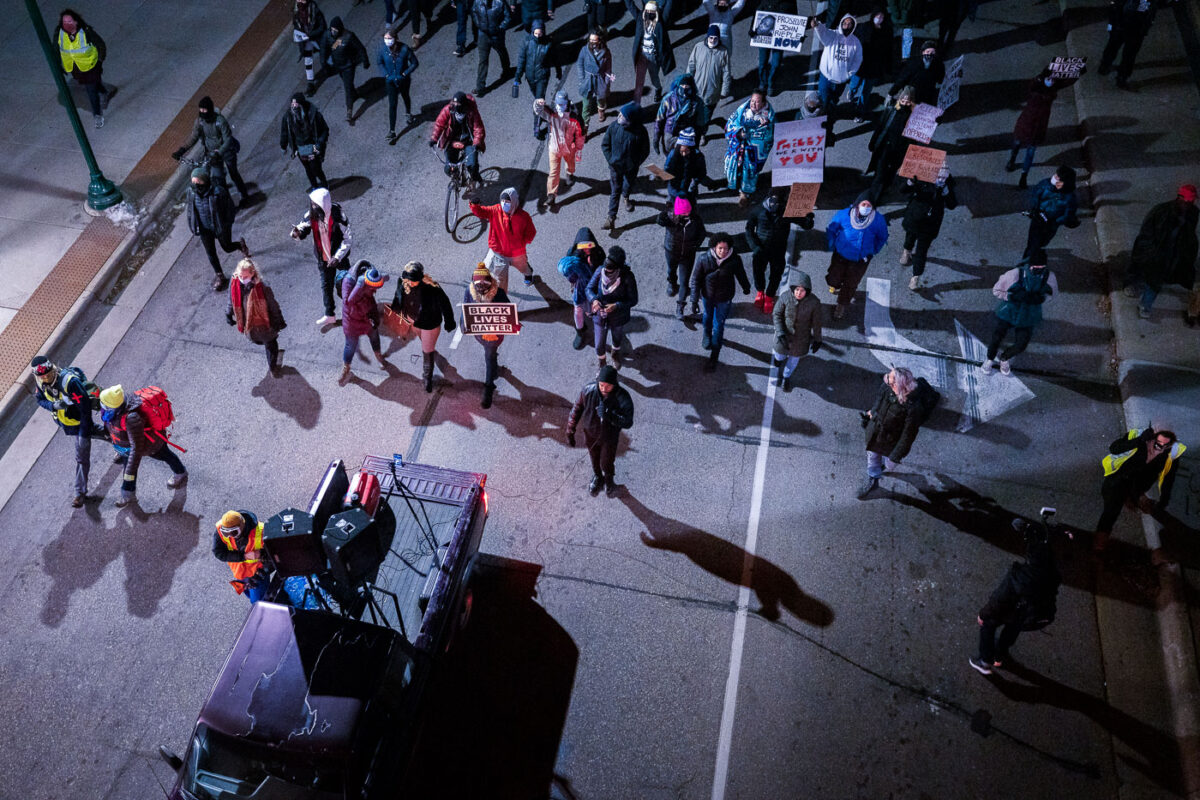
173	761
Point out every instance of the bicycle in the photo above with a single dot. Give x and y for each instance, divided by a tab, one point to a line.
211	162
460	185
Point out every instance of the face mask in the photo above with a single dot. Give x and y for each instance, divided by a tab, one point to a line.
685	91
648	17
927	60
560	108
109	414
246	283
594	47
506	206
864	210
208	116
316	212
200	188
537	37
458	116
722	6
388	41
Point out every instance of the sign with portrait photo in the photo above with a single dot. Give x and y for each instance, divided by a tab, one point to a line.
778	31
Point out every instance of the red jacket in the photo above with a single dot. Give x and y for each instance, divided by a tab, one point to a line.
441	127
507	233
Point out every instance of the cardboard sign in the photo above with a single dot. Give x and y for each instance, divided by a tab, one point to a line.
659	172
778	31
802	199
922	123
922	163
798	154
480	318
1067	67
948	95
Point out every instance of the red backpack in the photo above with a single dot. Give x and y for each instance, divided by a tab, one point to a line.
156	408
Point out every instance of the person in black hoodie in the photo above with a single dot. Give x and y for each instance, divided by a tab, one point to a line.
713	281
924	71
603	410
343	53
612	292
538	55
421	301
877	38
625	146
583	258
683	235
889	144
927	204
767	232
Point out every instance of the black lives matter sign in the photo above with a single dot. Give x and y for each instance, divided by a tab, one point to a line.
482	318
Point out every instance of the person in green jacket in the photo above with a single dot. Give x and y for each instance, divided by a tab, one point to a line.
1022	292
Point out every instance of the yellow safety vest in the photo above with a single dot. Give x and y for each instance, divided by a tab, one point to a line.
1112	462
60	414
77	52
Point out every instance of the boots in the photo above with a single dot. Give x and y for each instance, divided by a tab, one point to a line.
379	357
713	358
759	299
345	376
579	341
768	305
1023	183
488	390
427	372
905	257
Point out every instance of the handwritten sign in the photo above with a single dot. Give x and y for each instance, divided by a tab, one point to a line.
798	155
922	123
922	163
948	95
659	172
479	318
778	31
802	199
1068	67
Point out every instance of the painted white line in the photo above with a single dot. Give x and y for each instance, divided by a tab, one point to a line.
458	332
725	738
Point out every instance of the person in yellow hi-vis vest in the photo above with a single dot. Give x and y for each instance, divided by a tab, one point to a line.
1136	462
82	52
238	542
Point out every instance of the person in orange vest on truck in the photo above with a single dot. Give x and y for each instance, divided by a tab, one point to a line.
238	541
82	52
1135	462
134	438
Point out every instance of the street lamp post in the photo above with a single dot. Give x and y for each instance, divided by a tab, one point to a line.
102	193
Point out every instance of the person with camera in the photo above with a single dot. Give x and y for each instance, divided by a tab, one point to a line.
603	410
331	243
891	427
305	133
1135	462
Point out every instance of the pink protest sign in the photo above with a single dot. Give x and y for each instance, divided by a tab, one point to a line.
798	155
922	123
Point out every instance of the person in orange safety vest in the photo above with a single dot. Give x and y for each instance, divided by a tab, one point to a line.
238	542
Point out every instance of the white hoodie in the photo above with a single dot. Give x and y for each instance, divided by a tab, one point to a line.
842	54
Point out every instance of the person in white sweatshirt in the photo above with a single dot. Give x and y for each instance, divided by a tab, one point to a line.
840	60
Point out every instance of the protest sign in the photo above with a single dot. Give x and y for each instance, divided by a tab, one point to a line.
802	199
922	163
480	318
778	31
922	123
1067	67
659	172
948	95
798	155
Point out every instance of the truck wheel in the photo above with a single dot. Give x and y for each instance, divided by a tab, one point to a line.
464	617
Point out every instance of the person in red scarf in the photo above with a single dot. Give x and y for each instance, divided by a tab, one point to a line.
331	243
253	309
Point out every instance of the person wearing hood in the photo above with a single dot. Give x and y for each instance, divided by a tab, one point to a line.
510	230
360	313
767	232
625	146
343	53
611	293
582	260
712	281
534	61
423	303
651	47
891	426
397	62
797	319
603	409
687	167
854	235
594	66
877	38
210	216
331	243
721	14
750	131
927	204
484	288
304	133
841	56
1022	291
212	130
82	53
1164	251
255	312
1034	120
308	32
1128	23
134	440
709	66
888	143
1052	204
566	141
682	238
492	19
924	71
680	108
459	131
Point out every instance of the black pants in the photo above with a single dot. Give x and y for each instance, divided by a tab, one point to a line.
679	271
844	275
619	183
328	274
991	648
397	89
1040	234
210	246
762	258
598	15
917	244
165	455
351	94
272	351
1020	340
1115	496
486	45
538	88
1132	42
313	168
95	91
417	9
231	168
603	452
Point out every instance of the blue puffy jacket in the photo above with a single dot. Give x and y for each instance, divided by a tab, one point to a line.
399	65
852	243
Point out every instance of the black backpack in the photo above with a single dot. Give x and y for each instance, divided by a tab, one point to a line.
92	390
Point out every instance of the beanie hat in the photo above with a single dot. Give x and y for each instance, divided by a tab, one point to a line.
481	273
206	103
113	397
41	365
616	257
683	206
1188	192
373	278
1067	176
628	110
459	97
299	98
771	203
714	30
607	374
336	22
801	279
200	172
231	522
687	137
414	271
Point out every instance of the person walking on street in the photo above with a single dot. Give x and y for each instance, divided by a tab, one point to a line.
1128	23
598	15
423	303
1052	204
611	292
304	133
1164	251
924	71
566	141
582	260
625	146
855	235
343	53
681	239
134	438
459	131
210	216
713	279
721	14
484	288
212	130
534	62
877	39
1034	120
331	243
491	21
841	56
416	10
797	320
603	409
82	53
594	66
680	108
360	314
889	144
767	232
1135	462
903	405
927	205
463	13
709	66
687	167
238	541
255	312
534	11
397	61
1022	291
652	52
750	132
510	230
64	393
308	32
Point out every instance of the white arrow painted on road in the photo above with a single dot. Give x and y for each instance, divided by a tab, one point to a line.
978	399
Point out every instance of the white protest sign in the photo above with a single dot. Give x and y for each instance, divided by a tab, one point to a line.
948	95
798	154
1068	67
922	123
778	31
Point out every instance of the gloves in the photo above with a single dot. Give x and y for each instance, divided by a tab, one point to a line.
864	418
450	326
815	347
59	404
178	154
658	145
570	438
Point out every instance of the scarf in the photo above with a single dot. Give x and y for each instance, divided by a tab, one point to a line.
609	286
324	231
861	223
484	297
250	310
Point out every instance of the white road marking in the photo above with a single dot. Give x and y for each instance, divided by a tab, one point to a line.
458	332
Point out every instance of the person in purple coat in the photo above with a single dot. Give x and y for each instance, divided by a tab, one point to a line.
360	314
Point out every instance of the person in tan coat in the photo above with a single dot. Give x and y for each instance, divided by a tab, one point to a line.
797	318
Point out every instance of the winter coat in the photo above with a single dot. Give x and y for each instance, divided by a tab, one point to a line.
499	296
710	67
797	323
74	415
578	268
360	313
715	281
309	128
1164	251
256	312
472	121
1022	291
315	27
767	231
927	206
625	147
852	243
687	172
565	130
600	417
339	234
841	54
683	235
535	60
211	212
888	143
344	52
216	136
877	46
1027	595
676	114
128	431
893	425
398	65
663	56
535	11
491	17
426	304
723	19
625	296
508	234
1030	130
594	70
924	79
1055	207
1124	16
